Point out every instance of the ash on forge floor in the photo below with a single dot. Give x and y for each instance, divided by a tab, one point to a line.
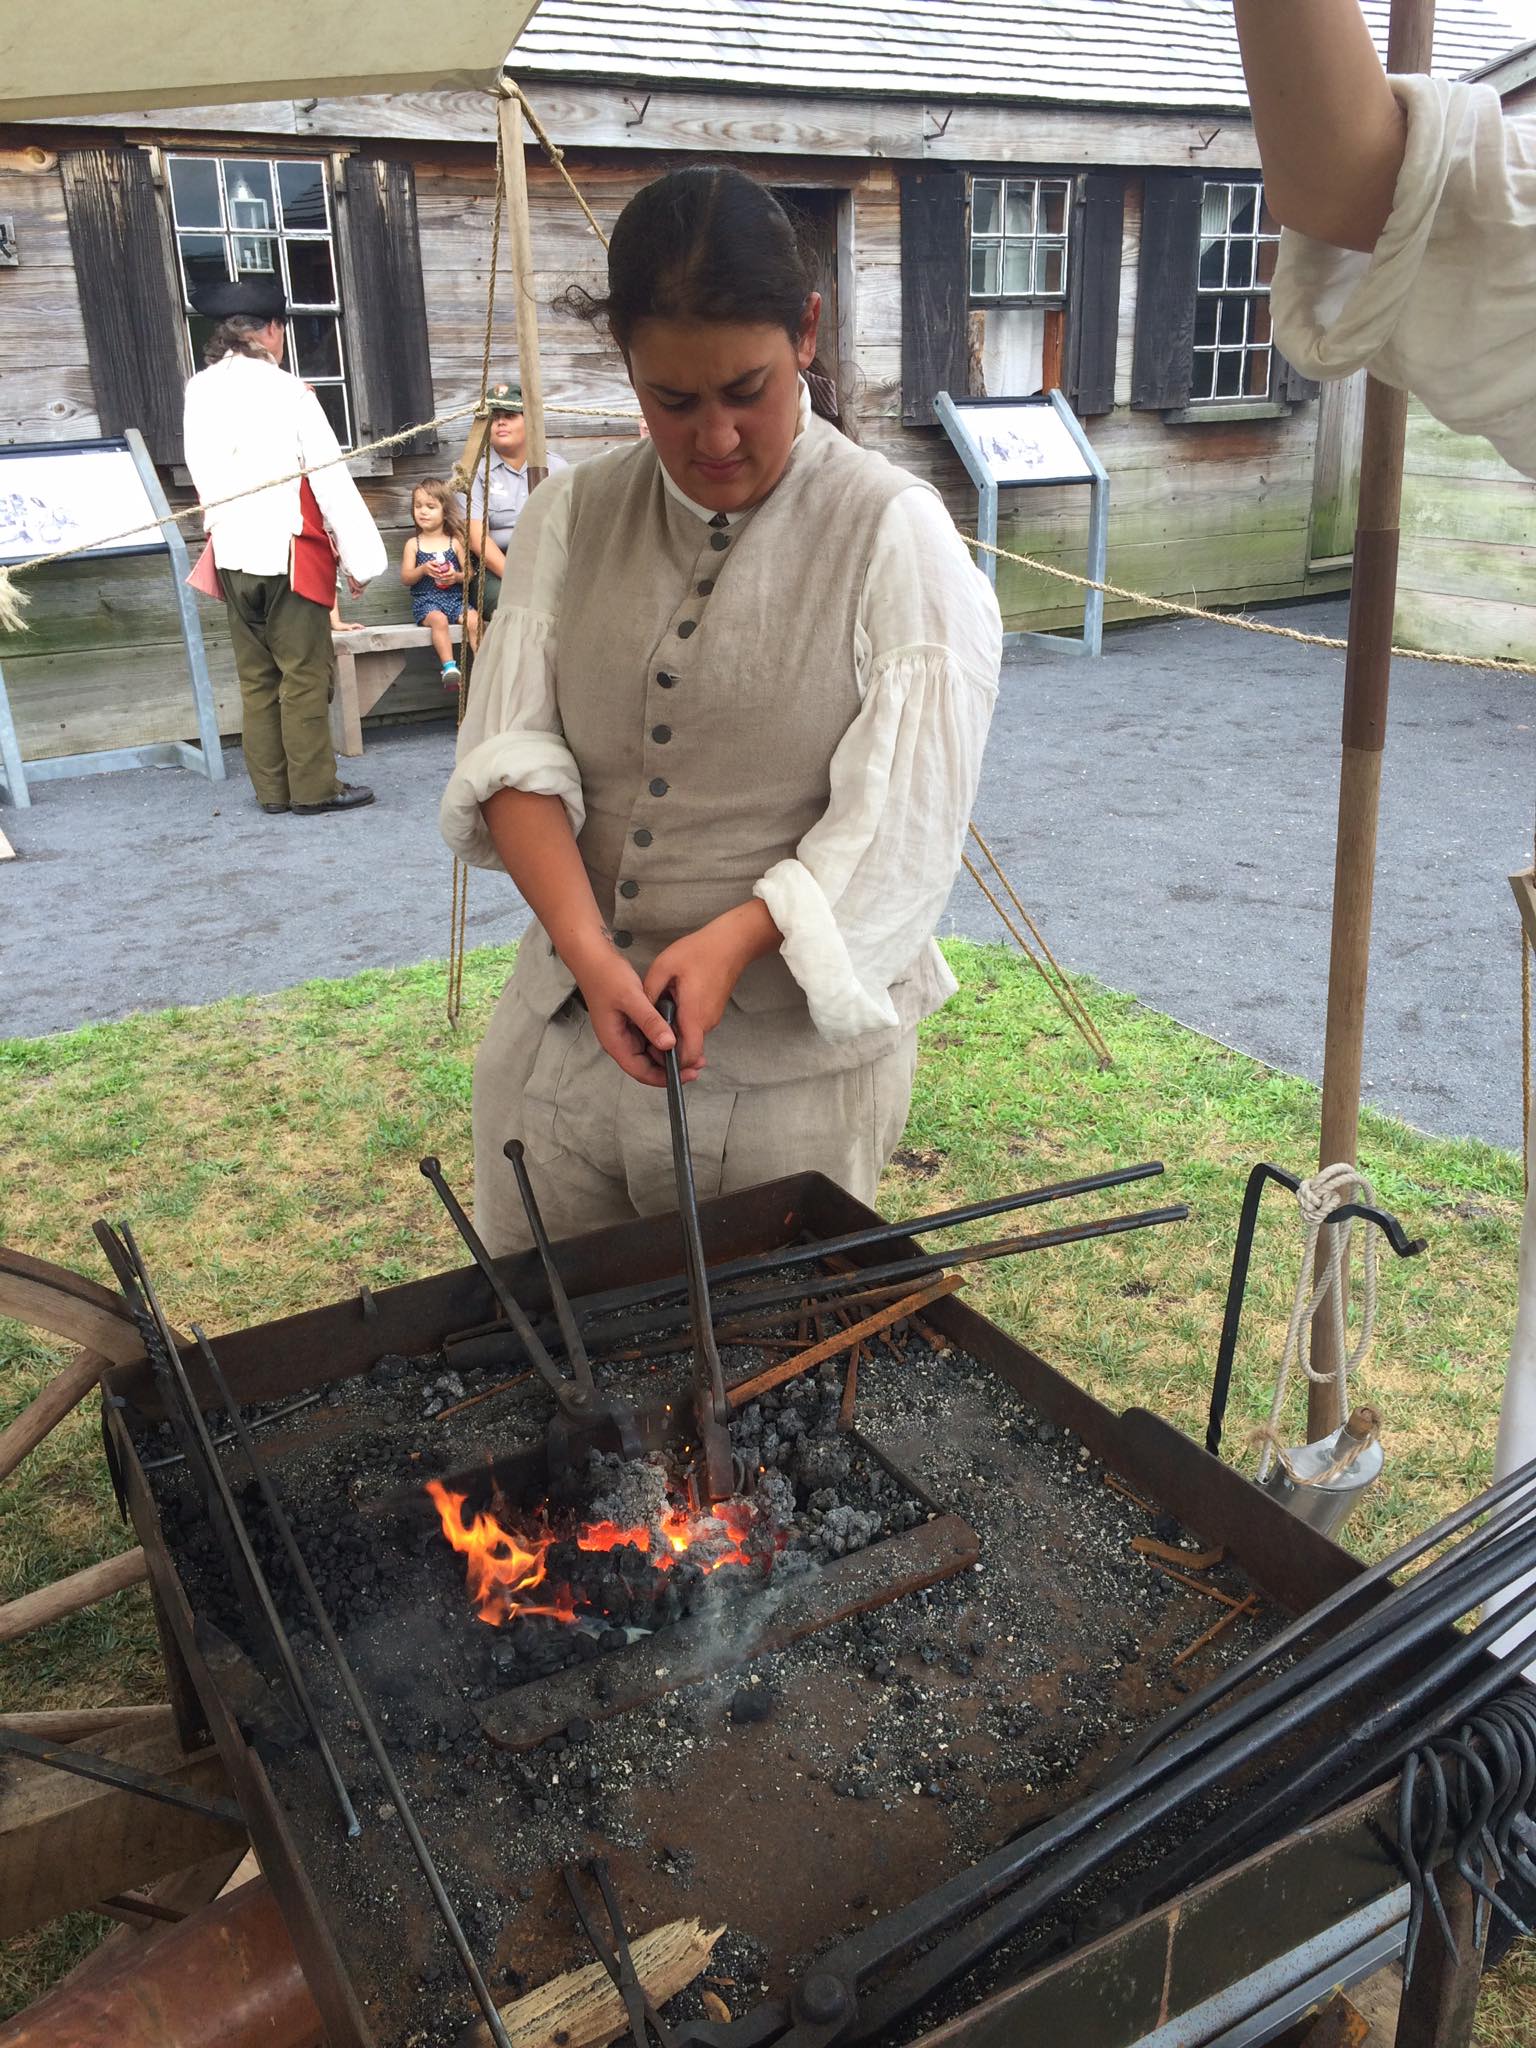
792	1799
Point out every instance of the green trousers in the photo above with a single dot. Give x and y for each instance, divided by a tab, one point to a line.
287	669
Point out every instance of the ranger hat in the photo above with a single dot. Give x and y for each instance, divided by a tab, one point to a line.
504	398
230	298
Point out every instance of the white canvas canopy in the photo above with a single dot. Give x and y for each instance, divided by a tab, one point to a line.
54	62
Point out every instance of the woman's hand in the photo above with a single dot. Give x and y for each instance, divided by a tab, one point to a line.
627	1024
703	969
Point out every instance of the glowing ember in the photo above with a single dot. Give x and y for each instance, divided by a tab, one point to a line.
508	1567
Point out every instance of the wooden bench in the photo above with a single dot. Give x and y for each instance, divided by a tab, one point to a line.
367	662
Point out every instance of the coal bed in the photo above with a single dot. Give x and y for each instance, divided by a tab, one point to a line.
904	1643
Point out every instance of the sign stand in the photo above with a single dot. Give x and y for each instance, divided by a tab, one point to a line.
1032	444
205	753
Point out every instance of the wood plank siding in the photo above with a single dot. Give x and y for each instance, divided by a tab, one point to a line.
1465	574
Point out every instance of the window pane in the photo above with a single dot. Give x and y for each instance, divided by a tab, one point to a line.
202	261
1268	225
1213	211
1229	373
1213	266
316	345
1258	373
1233	330
1021	207
1244	209
311	281
198	331
195	190
1053	209
1203	381
1051	268
986	207
1018	267
1258	320
334	402
248	190
1240	265
1207	312
302	187
255	255
986	261
1268	252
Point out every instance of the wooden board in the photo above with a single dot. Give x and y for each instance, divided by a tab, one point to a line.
66	1842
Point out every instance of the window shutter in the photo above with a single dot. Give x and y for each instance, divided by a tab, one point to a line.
386	307
1290	384
128	299
1162	375
1093	306
935	348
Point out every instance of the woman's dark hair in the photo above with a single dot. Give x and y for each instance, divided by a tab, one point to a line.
236	337
706	243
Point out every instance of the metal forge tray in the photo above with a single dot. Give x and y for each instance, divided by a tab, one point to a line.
1283	1559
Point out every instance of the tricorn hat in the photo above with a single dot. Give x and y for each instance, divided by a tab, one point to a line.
504	398
230	298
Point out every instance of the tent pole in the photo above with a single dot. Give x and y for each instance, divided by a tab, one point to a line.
509	116
1367	673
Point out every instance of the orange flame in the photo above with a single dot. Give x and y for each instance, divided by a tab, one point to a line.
505	1566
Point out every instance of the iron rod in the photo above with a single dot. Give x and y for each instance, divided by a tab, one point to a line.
209	1457
575	1349
365	1720
122	1777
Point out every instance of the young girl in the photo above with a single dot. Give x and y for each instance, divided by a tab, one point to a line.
432	569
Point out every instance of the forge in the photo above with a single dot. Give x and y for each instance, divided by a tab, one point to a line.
951	1593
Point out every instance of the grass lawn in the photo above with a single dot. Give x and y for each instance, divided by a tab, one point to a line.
265	1150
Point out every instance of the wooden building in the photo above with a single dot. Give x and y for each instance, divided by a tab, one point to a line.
1006	195
1467	572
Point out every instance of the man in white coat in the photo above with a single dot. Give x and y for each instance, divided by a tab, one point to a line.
275	550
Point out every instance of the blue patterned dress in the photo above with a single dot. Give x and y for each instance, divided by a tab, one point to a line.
425	595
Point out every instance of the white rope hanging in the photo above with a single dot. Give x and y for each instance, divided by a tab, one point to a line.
1317	1198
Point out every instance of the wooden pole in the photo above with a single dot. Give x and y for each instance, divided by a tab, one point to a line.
1367	675
509	116
67	1596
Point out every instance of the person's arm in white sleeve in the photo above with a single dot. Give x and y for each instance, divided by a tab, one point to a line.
511	737
358	540
868	883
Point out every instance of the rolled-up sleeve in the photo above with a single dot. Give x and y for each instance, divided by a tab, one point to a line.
1445	306
867	884
511	736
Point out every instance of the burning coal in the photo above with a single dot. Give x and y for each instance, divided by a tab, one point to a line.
530	1567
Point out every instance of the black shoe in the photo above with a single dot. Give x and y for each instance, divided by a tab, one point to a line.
275	810
350	796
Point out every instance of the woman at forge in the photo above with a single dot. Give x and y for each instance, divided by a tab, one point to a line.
724	735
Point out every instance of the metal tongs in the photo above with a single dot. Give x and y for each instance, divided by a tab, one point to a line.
712	1461
644	2019
583	1419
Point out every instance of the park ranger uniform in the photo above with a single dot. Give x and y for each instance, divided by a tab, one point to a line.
788	702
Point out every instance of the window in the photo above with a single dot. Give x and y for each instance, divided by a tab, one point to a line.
1019	238
243	217
1239	242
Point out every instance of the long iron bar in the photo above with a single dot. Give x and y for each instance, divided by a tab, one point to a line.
1521	1480
228	1436
829	1286
359	1705
570	1333
860	1240
122	1777
1128	1816
567	1392
710	1413
182	1394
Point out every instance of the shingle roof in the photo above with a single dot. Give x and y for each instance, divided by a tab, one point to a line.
1152	53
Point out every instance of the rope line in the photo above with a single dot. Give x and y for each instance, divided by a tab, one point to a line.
1317	1198
1053	976
556	156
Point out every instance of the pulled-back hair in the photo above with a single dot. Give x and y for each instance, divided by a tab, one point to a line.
236	336
435	488
706	243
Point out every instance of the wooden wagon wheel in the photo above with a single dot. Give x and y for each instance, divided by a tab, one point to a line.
63	1304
